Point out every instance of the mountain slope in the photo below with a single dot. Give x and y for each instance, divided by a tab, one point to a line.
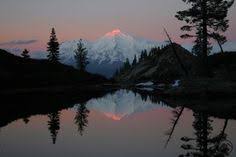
19	72
108	52
161	67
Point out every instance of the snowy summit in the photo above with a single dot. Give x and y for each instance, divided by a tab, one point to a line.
112	48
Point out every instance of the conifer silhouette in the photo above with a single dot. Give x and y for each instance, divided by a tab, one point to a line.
208	19
81	56
53	47
25	54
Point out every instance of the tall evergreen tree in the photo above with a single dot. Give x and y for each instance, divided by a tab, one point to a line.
53	47
25	54
154	51
81	56
127	64
117	72
208	19
143	55
134	61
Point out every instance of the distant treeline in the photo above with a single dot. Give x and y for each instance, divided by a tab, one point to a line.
145	54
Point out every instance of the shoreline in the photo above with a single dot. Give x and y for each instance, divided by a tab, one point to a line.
190	88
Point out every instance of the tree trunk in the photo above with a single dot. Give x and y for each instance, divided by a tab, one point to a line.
204	54
205	135
221	48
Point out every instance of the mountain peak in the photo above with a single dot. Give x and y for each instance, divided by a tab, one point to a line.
108	52
113	33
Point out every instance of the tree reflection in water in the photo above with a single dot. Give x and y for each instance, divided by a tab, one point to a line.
81	118
54	125
26	120
176	117
203	144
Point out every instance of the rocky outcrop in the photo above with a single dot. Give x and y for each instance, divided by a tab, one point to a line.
161	67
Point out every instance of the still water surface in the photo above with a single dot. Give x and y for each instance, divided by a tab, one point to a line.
120	124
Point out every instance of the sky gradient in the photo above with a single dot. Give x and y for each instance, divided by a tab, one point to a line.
31	20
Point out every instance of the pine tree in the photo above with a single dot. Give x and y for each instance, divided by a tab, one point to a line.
208	19
117	72
134	61
25	54
127	64
143	55
81	56
53	47
153	51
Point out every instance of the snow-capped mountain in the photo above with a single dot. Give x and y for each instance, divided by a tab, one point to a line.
67	51
121	104
117	46
108	52
112	47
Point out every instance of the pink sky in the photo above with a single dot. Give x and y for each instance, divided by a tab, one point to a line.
32	20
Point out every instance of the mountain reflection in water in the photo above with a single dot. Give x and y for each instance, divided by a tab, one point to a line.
121	123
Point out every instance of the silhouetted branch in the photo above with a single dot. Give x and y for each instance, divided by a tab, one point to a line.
175	52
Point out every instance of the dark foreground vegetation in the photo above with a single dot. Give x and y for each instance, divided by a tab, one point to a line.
24	105
19	73
214	106
199	72
161	66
